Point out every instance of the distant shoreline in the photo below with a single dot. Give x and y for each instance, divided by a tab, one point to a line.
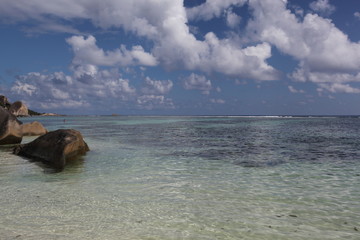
229	116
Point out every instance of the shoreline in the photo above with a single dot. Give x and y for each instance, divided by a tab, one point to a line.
215	116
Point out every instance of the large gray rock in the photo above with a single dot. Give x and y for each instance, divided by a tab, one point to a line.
55	148
19	109
10	128
33	129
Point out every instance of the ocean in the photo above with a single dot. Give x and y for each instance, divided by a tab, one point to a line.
177	177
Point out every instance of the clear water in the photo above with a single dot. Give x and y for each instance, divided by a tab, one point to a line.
190	178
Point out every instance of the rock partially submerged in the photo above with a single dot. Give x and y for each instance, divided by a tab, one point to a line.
19	109
33	129
55	148
10	128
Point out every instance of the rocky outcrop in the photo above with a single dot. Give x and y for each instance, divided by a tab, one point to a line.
55	148
10	128
4	102
19	109
33	129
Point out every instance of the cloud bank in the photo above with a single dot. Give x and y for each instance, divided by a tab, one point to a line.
324	52
325	55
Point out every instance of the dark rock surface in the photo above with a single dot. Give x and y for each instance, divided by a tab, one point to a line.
55	148
4	102
10	128
19	109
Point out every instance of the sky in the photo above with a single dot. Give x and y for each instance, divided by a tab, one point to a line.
182	57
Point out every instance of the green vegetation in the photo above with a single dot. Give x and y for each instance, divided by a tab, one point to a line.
33	113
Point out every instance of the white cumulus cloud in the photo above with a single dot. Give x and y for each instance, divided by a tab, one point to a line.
322	7
322	49
339	88
198	82
157	86
26	88
58	90
232	19
318	41
164	23
294	90
151	102
86	51
325	54
211	9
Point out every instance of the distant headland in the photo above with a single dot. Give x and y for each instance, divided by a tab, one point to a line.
19	109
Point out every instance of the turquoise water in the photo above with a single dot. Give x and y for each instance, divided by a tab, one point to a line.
190	178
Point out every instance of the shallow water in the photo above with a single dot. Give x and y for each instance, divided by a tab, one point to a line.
190	178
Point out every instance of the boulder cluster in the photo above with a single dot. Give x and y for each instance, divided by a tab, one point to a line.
54	148
18	108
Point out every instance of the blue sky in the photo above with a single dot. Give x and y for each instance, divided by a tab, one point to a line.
174	57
